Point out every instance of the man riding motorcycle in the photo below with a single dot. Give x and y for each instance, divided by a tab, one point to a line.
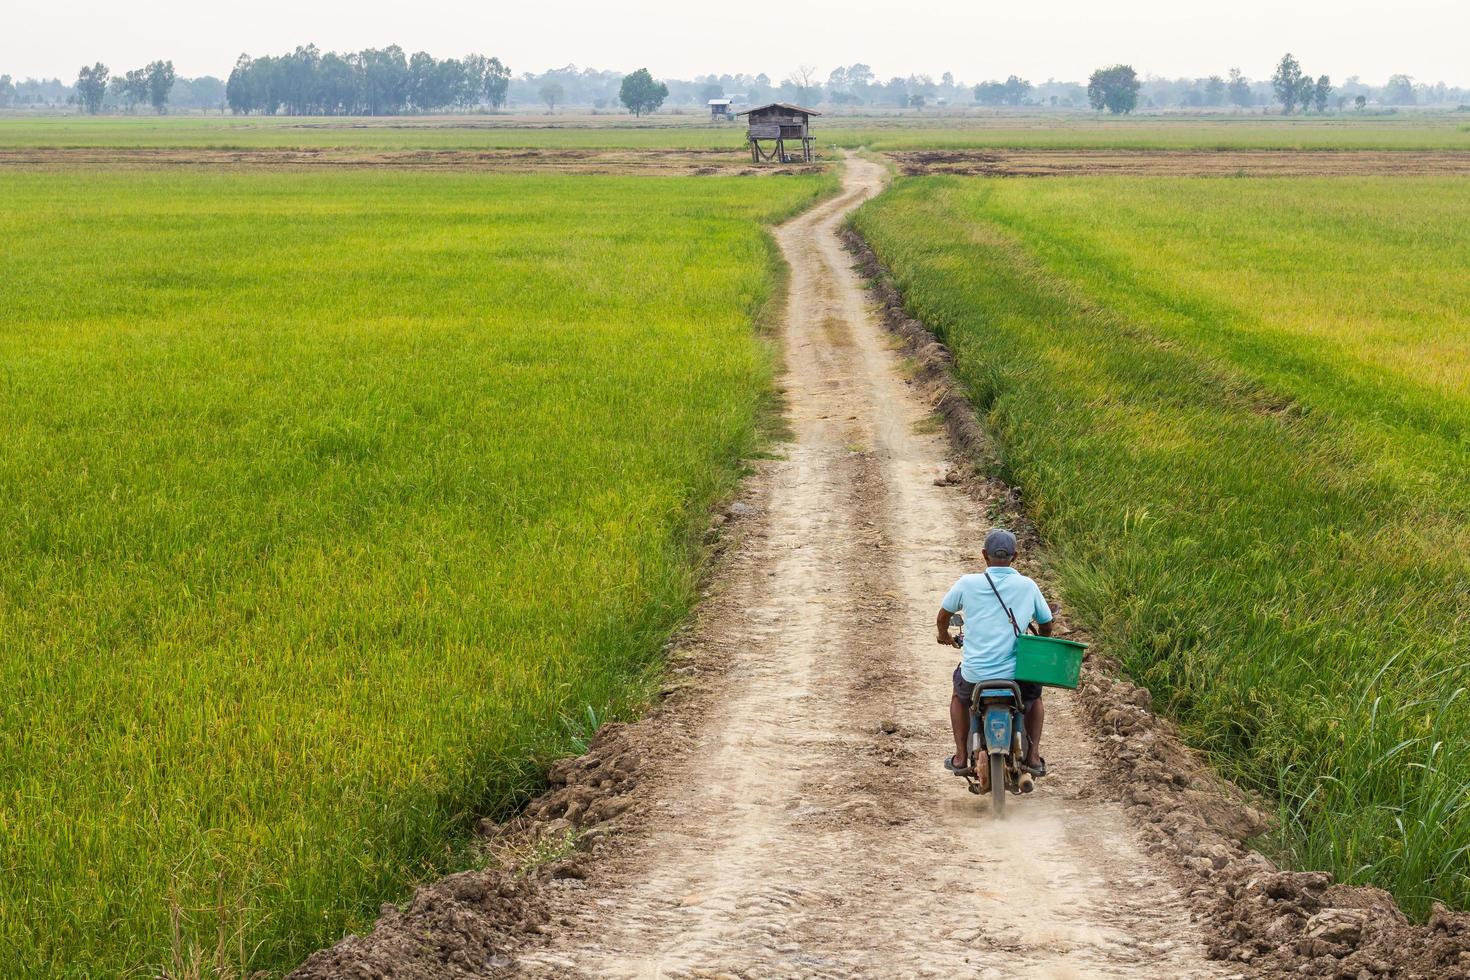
998	604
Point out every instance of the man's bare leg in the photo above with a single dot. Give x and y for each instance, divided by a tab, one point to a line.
959	719
1035	718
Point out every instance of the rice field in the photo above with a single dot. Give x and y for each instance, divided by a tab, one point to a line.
1238	411
1183	131
949	130
334	506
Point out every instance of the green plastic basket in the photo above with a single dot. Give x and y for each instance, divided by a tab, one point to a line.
1049	660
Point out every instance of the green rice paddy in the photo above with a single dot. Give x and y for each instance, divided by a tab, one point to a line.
890	131
336	505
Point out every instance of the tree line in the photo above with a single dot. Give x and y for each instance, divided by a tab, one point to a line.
388	81
1294	87
372	82
150	84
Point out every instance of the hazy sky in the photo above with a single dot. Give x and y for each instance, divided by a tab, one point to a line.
1065	39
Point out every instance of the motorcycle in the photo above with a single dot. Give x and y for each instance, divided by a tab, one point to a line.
998	733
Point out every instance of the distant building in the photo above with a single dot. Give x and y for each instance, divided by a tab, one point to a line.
721	108
779	122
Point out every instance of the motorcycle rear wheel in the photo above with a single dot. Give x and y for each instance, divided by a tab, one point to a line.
998	786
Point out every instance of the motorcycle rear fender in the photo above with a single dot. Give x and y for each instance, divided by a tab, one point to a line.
998	729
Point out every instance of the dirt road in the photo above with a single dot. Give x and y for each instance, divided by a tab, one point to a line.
790	835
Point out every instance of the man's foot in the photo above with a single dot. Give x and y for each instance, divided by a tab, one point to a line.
1037	768
957	765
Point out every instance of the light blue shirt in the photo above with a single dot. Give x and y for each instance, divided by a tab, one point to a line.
990	641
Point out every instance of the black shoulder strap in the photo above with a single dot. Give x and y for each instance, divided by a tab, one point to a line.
1003	605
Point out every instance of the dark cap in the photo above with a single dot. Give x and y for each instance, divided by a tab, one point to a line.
1000	544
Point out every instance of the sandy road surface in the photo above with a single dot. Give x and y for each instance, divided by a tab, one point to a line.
792	837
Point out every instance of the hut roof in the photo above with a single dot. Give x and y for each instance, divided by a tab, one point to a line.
779	105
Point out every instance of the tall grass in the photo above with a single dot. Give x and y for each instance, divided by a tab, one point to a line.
329	505
1238	410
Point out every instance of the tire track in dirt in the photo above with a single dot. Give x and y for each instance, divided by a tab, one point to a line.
805	827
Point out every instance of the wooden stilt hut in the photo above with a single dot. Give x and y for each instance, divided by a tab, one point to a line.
776	124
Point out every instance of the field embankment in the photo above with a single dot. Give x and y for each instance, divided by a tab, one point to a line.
1180	163
565	160
1238	410
335	505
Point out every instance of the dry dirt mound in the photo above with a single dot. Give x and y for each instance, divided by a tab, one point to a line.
467	924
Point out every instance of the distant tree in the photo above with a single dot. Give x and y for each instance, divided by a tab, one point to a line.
803	79
1239	88
237	86
551	93
759	89
422	80
336	85
1287	83
454	86
1306	94
1215	91
852	85
1399	91
7	91
860	79
384	74
294	78
160	75
497	83
897	91
640	93
837	83
711	90
131	88
1321	92
1359	102
1114	89
1012	91
91	87
916	100
204	92
473	67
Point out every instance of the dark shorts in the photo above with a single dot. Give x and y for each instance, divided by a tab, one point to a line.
964	690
